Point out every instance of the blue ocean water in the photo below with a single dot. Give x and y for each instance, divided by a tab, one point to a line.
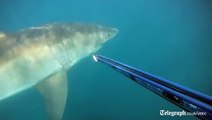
172	39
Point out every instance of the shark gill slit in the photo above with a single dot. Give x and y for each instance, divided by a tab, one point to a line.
61	54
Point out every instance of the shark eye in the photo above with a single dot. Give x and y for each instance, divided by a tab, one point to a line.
108	35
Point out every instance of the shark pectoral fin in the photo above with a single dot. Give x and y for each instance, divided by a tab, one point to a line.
54	89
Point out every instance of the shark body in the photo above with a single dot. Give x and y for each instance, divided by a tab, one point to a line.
41	56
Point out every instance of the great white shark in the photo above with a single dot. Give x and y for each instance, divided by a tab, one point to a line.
40	57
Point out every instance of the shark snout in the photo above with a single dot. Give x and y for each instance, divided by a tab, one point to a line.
115	31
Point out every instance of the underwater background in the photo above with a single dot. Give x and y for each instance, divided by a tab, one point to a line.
169	38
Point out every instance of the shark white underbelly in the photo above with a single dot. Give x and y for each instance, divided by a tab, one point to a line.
41	56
